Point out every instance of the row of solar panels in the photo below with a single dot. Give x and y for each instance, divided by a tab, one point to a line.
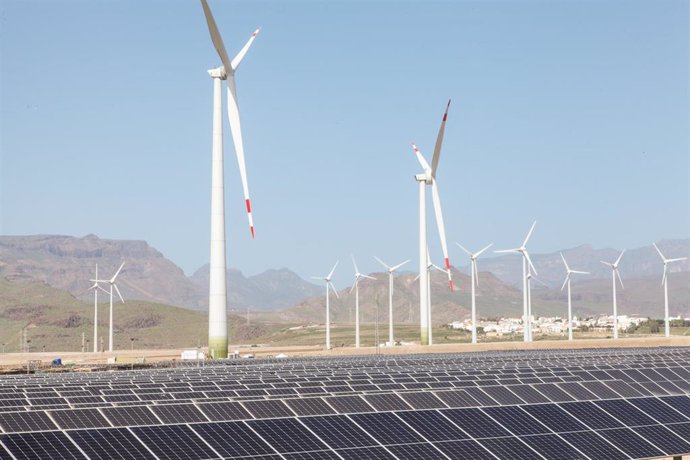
612	429
151	414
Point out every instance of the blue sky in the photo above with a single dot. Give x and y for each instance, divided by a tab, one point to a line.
572	113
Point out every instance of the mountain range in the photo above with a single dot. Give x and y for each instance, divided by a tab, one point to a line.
67	263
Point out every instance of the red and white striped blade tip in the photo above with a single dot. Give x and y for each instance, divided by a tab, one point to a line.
445	114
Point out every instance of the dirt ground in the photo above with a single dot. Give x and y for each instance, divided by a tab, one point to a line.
15	360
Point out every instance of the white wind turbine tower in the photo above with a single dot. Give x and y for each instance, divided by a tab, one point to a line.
95	288
614	273
527	336
355	286
429	266
664	282
531	277
391	339
568	273
474	281
217	315
111	281
329	286
428	177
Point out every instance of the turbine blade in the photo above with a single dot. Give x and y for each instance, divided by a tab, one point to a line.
439	142
466	251
355	264
657	250
663	278
579	272
677	259
368	277
476	272
606	263
107	292
420	158
382	263
482	251
320	278
416	278
530	262
117	272
619	278
236	130
529	234
567	277
564	262
399	265
354	285
215	37
441	228
118	293
334	290
237	60
619	257
506	251
330	275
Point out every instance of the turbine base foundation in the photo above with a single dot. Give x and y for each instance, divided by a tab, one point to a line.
218	347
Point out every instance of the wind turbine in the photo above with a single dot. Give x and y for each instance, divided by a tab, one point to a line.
527	336
329	286
217	314
567	282
474	281
111	281
390	269
355	286
614	273
95	288
664	282
531	277
429	266
428	177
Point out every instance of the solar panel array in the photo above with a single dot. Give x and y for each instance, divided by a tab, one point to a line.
560	404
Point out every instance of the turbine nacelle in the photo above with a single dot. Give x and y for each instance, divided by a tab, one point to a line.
218	72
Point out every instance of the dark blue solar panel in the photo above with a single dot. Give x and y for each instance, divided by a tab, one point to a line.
53	445
286	435
432	425
464	450
170	442
516	420
681	429
338	431
416	452
386	428
657	410
630	443
554	417
509	449
110	444
232	439
313	455
679	403
373	453
552	447
594	446
475	422
625	412
591	415
664	439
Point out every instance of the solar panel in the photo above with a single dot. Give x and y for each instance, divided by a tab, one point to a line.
314	455
594	446
475	423
679	403
552	447
232	439
510	449
516	420
503	395
178	413
420	400
464	449
386	428
600	390
286	435
416	452
481	397
625	412
309	406
173	442
338	431
373	453
591	415
657	410
623	388
79	418
529	394
53	445
25	421
630	442
109	444
664	439
554	417
384	402
349	404
553	392
457	398
432	425
681	429
224	411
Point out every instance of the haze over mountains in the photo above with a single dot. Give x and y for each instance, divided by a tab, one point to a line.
68	263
